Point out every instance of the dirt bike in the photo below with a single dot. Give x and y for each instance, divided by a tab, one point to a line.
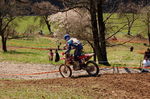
90	66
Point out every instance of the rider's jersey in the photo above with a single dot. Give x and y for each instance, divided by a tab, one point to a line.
73	43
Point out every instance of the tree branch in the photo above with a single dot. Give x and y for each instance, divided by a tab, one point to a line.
116	32
11	19
123	42
112	10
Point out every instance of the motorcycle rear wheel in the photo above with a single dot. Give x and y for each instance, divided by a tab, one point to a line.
65	71
92	68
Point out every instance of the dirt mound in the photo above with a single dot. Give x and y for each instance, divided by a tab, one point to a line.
133	85
130	86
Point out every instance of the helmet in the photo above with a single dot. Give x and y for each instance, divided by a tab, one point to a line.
66	36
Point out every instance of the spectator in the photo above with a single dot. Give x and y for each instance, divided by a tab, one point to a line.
57	57
146	61
58	47
40	32
131	49
147	54
51	54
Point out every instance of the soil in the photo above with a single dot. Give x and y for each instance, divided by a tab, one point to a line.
108	85
134	85
116	86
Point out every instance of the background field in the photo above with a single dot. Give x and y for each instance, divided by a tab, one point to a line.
20	50
26	21
139	26
117	55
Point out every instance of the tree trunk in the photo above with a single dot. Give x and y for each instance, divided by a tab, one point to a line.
95	29
49	27
47	24
129	30
102	40
4	47
148	26
149	38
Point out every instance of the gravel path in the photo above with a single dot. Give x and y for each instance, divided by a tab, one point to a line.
8	70
12	68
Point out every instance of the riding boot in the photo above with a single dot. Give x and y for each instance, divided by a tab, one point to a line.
76	65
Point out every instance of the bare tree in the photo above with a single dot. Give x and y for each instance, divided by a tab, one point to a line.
129	12
102	33
44	8
146	19
130	20
6	17
44	21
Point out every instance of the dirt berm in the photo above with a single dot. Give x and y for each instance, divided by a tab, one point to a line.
107	86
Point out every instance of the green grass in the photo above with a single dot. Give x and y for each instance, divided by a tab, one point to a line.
24	22
122	55
27	55
37	91
116	55
139	26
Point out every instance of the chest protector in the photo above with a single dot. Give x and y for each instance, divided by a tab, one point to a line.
75	41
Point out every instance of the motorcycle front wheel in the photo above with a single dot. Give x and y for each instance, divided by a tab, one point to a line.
92	68
65	71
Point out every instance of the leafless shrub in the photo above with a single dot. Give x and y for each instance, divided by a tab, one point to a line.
31	31
75	22
145	14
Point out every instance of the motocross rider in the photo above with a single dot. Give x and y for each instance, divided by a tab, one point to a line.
73	43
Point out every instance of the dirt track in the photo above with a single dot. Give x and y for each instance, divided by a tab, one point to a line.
10	70
116	86
27	71
107	86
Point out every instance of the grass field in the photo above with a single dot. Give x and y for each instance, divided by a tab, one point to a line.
115	21
26	21
117	55
28	55
37	91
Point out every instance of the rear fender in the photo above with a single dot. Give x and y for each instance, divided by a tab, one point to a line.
86	56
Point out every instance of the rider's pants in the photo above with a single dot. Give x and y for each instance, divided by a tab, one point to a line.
77	53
